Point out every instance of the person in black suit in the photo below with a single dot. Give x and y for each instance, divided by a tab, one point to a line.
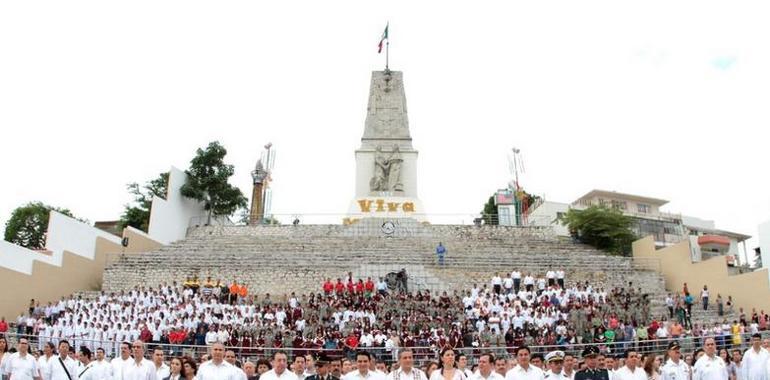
322	369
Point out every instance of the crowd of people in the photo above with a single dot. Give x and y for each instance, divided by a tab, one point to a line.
346	316
220	363
511	310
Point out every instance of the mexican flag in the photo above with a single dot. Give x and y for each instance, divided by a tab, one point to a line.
382	40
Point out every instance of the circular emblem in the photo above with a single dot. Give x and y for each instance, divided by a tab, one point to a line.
388	228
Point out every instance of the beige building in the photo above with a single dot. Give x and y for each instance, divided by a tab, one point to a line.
665	228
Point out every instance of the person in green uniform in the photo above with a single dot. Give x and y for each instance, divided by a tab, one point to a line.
592	370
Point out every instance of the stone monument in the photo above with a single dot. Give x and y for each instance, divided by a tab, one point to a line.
386	162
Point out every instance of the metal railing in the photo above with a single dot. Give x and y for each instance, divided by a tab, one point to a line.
422	353
340	219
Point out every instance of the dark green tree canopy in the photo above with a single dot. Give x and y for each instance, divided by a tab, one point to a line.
207	181
489	213
29	223
602	227
137	215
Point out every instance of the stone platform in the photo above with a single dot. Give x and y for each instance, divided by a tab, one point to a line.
283	259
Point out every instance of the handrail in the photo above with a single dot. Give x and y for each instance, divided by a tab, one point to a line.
245	351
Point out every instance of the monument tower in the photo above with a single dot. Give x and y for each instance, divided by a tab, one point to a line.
386	162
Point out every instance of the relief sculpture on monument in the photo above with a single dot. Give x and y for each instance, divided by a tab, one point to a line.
387	171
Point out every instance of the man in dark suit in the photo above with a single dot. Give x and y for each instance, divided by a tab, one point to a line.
592	370
322	369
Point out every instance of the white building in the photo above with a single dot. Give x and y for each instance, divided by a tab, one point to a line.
666	228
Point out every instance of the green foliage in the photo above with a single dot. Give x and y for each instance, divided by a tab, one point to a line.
489	213
138	214
29	223
207	181
602	227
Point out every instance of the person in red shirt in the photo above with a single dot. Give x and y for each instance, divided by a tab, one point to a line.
145	336
369	287
360	286
351	342
3	326
328	286
340	287
351	286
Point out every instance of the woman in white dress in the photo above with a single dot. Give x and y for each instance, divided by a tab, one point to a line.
446	369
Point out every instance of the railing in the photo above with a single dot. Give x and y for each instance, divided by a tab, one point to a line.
339	218
245	351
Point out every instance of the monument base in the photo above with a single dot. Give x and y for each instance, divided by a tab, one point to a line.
385	207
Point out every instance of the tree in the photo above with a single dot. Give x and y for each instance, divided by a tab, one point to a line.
489	213
602	227
138	214
207	182
28	224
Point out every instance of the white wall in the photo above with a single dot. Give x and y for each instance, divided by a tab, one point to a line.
698	222
545	215
64	233
169	218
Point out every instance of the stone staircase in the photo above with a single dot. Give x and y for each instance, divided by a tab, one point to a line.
282	259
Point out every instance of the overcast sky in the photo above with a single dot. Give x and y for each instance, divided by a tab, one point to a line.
667	99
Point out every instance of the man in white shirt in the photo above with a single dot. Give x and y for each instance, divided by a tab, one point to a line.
64	367
406	370
560	278
279	371
710	366
212	336
162	370
516	276
670	305
119	363
675	368
230	359
497	283
529	283
462	365
21	365
524	371
508	285
139	368
85	359
363	359
568	370
299	367
485	371
101	367
551	276
555	362
217	368
630	371
44	361
754	363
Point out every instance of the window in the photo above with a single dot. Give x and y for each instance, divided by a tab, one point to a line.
643	208
620	205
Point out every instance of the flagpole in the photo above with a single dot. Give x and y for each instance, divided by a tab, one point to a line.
387	46
387	51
